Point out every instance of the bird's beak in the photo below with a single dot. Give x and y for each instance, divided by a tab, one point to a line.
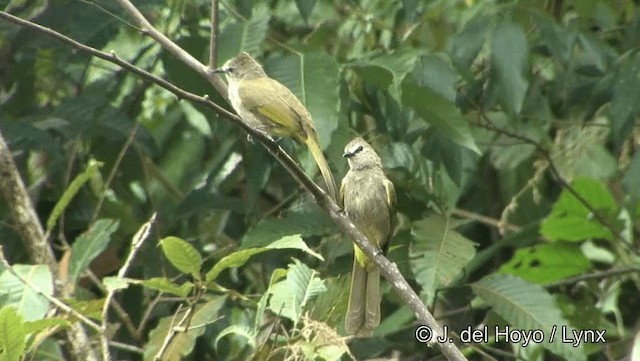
220	70
347	154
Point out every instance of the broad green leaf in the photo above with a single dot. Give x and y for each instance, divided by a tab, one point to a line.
315	79
239	258
305	223
13	334
465	46
196	119
165	285
243	36
438	254
183	341
388	70
529	307
570	220
436	72
289	297
182	255
508	60
29	304
546	263
306	8
71	191
439	112
89	245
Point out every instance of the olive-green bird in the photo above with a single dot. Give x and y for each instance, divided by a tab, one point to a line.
368	199
270	107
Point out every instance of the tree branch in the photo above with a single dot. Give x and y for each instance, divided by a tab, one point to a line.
32	234
213	39
388	269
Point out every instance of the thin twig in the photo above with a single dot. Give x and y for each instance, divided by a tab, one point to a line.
388	269
114	169
213	39
136	243
483	219
593	276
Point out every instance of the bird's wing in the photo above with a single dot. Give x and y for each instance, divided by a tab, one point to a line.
261	97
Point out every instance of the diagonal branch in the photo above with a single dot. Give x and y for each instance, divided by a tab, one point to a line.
388	269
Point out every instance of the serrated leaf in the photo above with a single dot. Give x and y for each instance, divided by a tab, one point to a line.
546	263
570	220
71	191
508	58
527	306
165	285
29	304
439	112
183	342
13	334
182	255
239	258
288	297
89	245
438	254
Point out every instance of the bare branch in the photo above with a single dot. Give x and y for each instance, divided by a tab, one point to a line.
213	39
388	269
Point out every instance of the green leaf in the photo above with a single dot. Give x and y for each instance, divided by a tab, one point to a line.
508	59
182	255
183	342
315	79
388	69
45	323
114	283
570	220
438	111
289	297
13	334
165	285
546	263
529	307
239	258
243	36
268	230
239	330
30	305
467	43
305	7
438	255
71	191
196	119
89	245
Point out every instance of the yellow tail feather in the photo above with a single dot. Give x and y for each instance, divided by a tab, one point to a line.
316	152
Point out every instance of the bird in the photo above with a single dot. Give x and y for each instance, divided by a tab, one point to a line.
271	108
368	198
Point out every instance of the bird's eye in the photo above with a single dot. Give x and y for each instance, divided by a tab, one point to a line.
359	149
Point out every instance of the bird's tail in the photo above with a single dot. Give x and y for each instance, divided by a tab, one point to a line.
363	309
316	152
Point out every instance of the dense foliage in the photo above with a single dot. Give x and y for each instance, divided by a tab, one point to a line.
509	128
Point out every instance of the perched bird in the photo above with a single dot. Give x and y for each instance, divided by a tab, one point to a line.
368	199
270	107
